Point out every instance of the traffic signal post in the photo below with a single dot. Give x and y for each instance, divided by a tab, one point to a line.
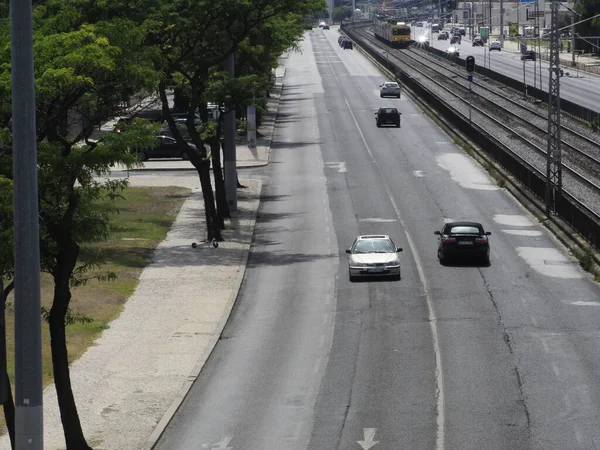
470	66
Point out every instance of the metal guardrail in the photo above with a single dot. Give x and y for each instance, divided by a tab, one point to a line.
531	178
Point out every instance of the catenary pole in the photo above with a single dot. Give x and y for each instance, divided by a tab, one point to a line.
229	151
28	319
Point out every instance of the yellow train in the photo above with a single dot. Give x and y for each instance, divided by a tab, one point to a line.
392	31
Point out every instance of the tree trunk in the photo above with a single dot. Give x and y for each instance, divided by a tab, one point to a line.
69	416
9	404
222	205
210	212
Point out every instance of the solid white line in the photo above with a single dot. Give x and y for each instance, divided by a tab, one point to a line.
439	376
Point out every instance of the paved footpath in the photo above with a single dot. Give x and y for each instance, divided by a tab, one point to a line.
130	382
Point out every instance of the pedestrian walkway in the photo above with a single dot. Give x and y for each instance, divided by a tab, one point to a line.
131	381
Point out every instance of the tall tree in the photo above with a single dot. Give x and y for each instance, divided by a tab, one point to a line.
6	273
587	9
81	71
194	38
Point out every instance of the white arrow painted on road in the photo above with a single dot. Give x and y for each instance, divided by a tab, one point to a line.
369	435
221	445
339	166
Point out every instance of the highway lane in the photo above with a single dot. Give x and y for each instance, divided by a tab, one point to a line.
258	388
500	374
312	361
580	87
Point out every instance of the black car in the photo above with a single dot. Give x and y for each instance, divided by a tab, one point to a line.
151	115
167	148
463	239
325	27
347	44
529	54
478	42
442	36
387	116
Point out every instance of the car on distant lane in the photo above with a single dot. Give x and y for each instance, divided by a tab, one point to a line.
389	89
496	46
373	255
528	54
387	116
453	52
463	239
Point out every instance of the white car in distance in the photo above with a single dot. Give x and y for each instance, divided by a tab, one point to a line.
389	89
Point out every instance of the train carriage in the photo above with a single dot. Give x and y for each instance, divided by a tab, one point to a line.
392	31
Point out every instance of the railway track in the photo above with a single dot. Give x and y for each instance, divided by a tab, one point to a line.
503	118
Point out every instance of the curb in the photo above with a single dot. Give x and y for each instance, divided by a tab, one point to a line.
164	422
193	376
560	229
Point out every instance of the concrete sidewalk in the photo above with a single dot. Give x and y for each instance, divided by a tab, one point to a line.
132	380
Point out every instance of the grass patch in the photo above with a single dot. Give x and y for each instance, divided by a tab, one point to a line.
146	215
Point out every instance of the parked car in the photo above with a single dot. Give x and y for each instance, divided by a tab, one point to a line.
389	89
529	54
387	116
373	255
478	42
167	148
463	239
496	46
443	36
150	115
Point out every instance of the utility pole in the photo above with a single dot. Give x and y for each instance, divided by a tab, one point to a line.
229	150
539	41
501	23
573	35
28	320
553	160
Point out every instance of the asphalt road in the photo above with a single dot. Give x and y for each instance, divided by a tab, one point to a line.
449	357
579	87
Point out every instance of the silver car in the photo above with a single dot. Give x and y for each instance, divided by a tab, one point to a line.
389	89
373	255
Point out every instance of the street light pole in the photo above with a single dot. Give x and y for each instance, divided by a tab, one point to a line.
229	150
28	320
524	81
501	23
